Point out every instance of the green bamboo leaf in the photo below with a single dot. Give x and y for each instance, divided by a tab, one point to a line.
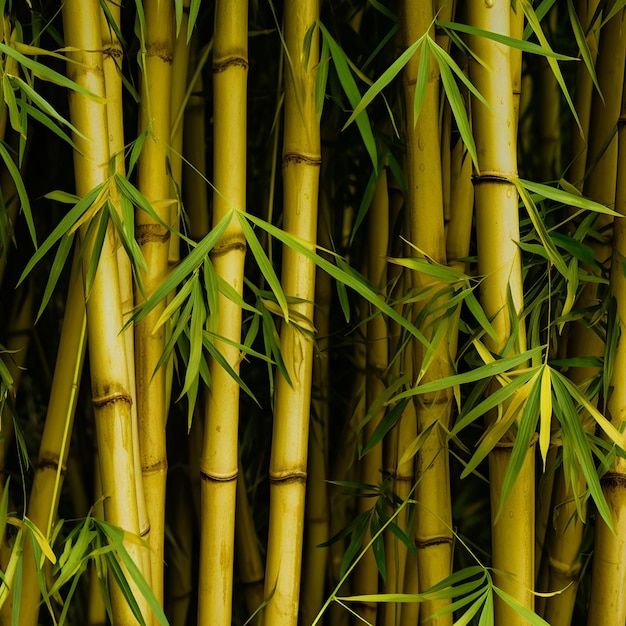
415	446
115	535
574	435
62	228
581	42
384	426
322	77
21	190
55	271
466	617
530	616
512	42
98	242
386	77
351	278
190	263
11	103
423	74
196	325
44	120
44	105
525	433
487	615
194	9
500	427
488	370
576	248
552	62
366	201
566	198
479	313
46	73
351	90
264	265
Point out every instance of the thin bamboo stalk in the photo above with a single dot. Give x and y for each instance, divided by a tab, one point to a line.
317	522
426	216
55	440
219	460
109	372
153	239
288	461
248	554
112	62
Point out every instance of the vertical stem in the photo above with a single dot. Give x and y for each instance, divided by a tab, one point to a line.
219	459
153	238
288	461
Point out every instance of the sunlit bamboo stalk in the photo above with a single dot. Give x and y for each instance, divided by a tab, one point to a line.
219	460
109	372
288	461
426	217
495	130
153	239
112	65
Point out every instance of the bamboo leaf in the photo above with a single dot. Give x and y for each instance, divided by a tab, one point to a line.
485	371
581	42
351	90
21	190
530	616
61	229
545	421
512	42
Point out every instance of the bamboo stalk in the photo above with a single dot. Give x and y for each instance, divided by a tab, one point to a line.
426	217
55	440
602	158
153	239
317	522
109	372
219	460
288	461
497	232
608	603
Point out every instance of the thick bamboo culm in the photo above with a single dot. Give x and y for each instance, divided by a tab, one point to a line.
107	351
55	441
219	462
433	517
495	128
153	239
288	460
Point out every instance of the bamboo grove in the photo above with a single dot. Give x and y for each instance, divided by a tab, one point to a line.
312	312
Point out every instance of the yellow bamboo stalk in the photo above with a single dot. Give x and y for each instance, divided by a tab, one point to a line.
110	379
288	461
153	238
426	217
55	440
608	603
112	66
96	614
495	130
219	460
